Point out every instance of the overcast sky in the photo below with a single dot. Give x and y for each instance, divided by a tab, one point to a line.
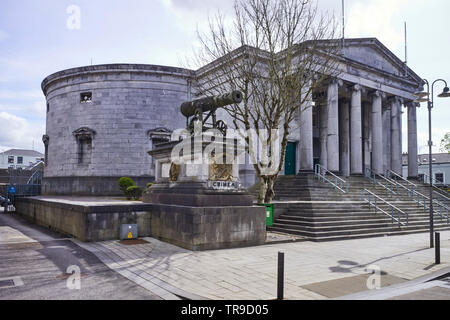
35	41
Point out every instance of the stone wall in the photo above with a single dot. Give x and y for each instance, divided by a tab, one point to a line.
86	223
127	101
194	228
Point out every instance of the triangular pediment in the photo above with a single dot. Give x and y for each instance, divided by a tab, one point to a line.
371	52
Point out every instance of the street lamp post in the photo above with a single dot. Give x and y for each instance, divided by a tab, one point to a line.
423	96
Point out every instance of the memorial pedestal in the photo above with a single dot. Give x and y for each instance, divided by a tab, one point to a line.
198	200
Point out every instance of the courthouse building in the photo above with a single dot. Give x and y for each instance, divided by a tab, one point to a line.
102	120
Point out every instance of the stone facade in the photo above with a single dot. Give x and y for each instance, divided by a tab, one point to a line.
350	125
108	134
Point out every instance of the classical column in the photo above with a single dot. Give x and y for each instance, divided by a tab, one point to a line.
332	127
412	141
386	137
366	147
306	135
323	135
396	135
355	131
344	137
377	133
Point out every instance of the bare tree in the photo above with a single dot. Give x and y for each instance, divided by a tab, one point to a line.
274	53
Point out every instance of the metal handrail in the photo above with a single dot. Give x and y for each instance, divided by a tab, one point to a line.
417	196
396	175
36	177
438	194
435	182
375	197
338	183
413	186
441	205
373	175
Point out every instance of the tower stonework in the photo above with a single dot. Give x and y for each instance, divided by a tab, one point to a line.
114	107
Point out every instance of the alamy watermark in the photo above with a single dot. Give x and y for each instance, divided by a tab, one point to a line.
374	280
74	280
73	22
211	146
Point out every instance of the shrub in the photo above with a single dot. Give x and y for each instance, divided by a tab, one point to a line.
134	192
124	183
149	185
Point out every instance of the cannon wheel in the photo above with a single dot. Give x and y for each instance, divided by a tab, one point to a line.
222	126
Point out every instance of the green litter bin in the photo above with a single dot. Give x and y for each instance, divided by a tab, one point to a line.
269	213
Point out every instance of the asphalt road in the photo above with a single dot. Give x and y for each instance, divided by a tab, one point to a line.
39	259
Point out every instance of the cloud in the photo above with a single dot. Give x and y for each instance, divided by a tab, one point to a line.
31	109
7	94
17	132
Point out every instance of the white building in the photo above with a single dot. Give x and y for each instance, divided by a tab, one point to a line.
19	158
441	168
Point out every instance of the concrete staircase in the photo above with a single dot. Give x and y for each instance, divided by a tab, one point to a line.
425	189
317	211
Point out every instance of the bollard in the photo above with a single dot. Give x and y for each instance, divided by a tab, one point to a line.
437	248
280	284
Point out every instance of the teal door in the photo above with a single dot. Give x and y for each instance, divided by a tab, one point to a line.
289	159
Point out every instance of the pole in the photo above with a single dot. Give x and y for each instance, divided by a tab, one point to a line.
430	164
406	53
343	26
437	250
280	282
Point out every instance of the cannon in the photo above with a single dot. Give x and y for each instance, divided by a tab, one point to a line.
195	109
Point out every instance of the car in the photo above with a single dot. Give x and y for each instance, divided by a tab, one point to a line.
4	202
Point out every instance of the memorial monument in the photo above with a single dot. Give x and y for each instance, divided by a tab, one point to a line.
198	198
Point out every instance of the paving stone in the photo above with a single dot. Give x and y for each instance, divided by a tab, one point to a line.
251	272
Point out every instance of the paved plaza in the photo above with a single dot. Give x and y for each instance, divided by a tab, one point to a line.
313	270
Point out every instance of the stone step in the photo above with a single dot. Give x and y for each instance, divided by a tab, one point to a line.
331	214
365	232
350	224
361	236
343	220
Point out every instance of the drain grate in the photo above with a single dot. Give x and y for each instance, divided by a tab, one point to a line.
6	283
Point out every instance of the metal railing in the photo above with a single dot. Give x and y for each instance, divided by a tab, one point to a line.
11	191
36	177
22	190
421	199
327	176
387	184
374	200
437	190
437	195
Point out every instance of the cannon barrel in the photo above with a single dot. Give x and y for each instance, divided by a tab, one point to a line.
189	108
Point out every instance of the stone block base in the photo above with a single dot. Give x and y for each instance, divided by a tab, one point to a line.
194	228
204	228
84	222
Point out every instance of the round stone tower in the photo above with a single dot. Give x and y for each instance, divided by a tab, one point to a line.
102	120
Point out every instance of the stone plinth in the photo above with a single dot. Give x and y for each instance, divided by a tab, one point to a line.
199	202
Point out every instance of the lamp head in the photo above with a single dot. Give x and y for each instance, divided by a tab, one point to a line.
419	100
421	94
445	93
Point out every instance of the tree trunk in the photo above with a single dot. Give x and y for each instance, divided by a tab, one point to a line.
270	193
262	190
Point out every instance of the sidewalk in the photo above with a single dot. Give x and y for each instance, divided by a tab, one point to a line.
313	270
